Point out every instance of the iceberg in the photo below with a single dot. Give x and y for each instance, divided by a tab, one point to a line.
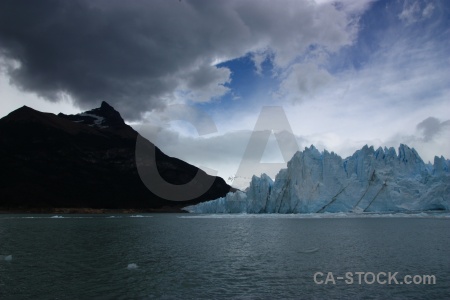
132	266
368	181
6	257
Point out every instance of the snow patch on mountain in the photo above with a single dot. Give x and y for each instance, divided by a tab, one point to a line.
98	121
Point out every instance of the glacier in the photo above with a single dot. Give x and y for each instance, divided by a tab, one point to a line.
368	181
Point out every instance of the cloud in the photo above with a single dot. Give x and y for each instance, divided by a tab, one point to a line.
428	10
303	81
384	101
204	83
430	138
11	99
223	152
258	59
431	126
410	13
416	11
380	101
142	55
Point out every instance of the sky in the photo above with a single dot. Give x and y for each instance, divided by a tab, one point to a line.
201	78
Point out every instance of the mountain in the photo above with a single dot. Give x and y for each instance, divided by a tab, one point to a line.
86	160
368	181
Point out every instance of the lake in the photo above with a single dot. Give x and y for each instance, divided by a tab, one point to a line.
186	256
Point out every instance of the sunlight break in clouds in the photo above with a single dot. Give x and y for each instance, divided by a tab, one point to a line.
400	83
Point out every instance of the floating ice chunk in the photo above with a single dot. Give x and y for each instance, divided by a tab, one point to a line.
6	257
312	250
132	266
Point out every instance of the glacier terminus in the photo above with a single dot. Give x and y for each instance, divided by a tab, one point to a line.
368	181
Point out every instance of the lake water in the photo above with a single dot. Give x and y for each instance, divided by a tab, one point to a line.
184	256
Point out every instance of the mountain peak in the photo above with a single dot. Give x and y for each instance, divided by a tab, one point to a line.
105	106
102	117
23	110
24	113
21	114
28	116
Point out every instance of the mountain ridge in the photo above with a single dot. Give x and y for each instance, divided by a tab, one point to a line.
85	160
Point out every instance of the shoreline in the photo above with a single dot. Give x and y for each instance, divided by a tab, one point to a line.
75	210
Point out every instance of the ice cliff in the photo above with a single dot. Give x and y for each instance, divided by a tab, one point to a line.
368	181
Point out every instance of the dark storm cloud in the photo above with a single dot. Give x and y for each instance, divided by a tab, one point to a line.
138	54
431	126
92	53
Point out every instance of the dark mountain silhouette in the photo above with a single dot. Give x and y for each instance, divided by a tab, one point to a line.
83	161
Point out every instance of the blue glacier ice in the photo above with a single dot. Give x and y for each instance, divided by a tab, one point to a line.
368	181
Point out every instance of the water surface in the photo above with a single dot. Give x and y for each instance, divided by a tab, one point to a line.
188	256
